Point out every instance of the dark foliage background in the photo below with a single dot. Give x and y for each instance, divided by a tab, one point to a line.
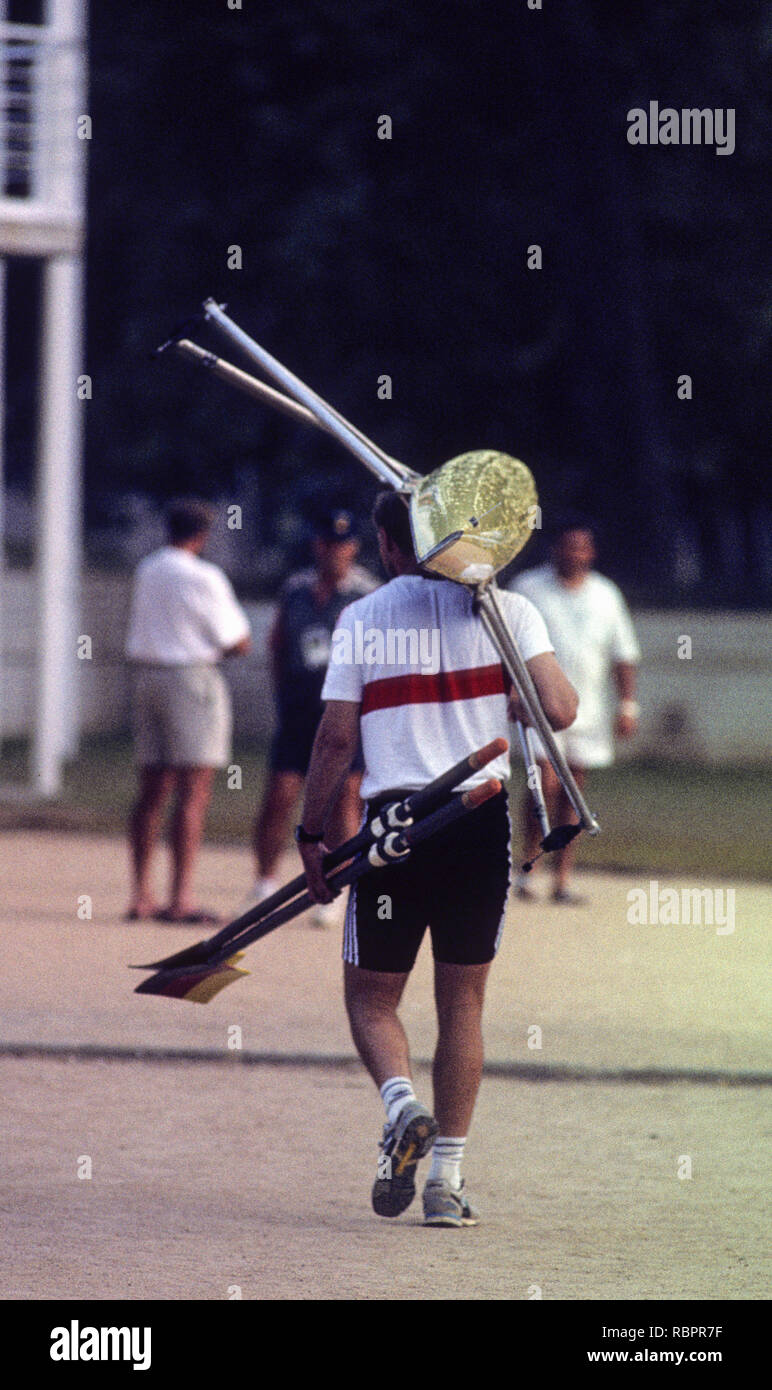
408	257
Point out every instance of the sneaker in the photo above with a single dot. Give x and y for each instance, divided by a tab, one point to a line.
444	1206
324	915
263	889
523	889
566	898
403	1143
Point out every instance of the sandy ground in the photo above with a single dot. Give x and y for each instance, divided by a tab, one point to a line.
209	1176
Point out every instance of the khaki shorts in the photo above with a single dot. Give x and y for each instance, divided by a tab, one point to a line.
181	716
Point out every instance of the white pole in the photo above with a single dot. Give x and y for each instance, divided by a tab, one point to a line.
58	490
59	486
2	493
3	145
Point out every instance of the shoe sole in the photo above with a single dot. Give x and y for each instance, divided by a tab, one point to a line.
451	1221
391	1196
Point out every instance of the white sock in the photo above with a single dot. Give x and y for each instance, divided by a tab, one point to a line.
265	887
446	1159
395	1093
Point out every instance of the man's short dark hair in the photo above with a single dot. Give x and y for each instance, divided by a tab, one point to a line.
569	521
187	517
391	512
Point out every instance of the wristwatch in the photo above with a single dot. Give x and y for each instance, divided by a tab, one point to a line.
304	838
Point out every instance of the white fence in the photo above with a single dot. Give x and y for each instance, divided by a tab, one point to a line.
712	705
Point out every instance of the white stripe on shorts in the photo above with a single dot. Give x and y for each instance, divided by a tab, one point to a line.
350	943
509	880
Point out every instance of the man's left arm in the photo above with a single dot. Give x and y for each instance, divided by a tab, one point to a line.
625	655
625	675
222	616
334	747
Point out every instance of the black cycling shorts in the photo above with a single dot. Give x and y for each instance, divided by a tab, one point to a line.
456	884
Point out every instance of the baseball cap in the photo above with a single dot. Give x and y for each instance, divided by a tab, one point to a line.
336	525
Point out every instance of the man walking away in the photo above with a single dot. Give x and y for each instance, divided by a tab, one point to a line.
415	723
184	620
309	606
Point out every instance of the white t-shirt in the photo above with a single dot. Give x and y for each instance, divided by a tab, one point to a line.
428	678
183	610
591	629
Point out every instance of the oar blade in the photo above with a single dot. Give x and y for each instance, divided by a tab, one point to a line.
196	984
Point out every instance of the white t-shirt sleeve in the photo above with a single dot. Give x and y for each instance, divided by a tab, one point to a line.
521	584
221	615
344	675
131	645
526	625
624	643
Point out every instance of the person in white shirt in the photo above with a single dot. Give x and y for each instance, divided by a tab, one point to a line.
414	670
595	642
184	619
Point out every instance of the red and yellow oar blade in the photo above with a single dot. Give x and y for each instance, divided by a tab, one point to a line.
197	984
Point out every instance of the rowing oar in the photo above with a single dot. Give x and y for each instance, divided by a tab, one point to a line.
395	816
552	839
446	508
374	458
258	390
199	983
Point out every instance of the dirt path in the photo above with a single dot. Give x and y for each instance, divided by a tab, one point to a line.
206	1177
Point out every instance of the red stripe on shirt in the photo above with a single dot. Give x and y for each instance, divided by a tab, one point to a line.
416	689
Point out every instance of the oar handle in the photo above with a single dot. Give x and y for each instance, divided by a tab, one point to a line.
243	381
368	453
444	816
258	390
426	798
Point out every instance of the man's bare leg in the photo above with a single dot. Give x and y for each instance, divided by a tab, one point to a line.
194	790
273	825
458	1060
156	784
372	998
560	812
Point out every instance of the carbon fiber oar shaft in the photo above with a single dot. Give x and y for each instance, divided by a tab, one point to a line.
172	980
404	840
418	803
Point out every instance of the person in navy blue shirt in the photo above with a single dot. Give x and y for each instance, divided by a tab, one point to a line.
310	604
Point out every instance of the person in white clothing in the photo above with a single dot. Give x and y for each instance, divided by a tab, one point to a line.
413	668
184	619
595	643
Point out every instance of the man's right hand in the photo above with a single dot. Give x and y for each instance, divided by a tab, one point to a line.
239	648
312	856
516	709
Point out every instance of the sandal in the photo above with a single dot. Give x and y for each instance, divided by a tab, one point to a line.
197	917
